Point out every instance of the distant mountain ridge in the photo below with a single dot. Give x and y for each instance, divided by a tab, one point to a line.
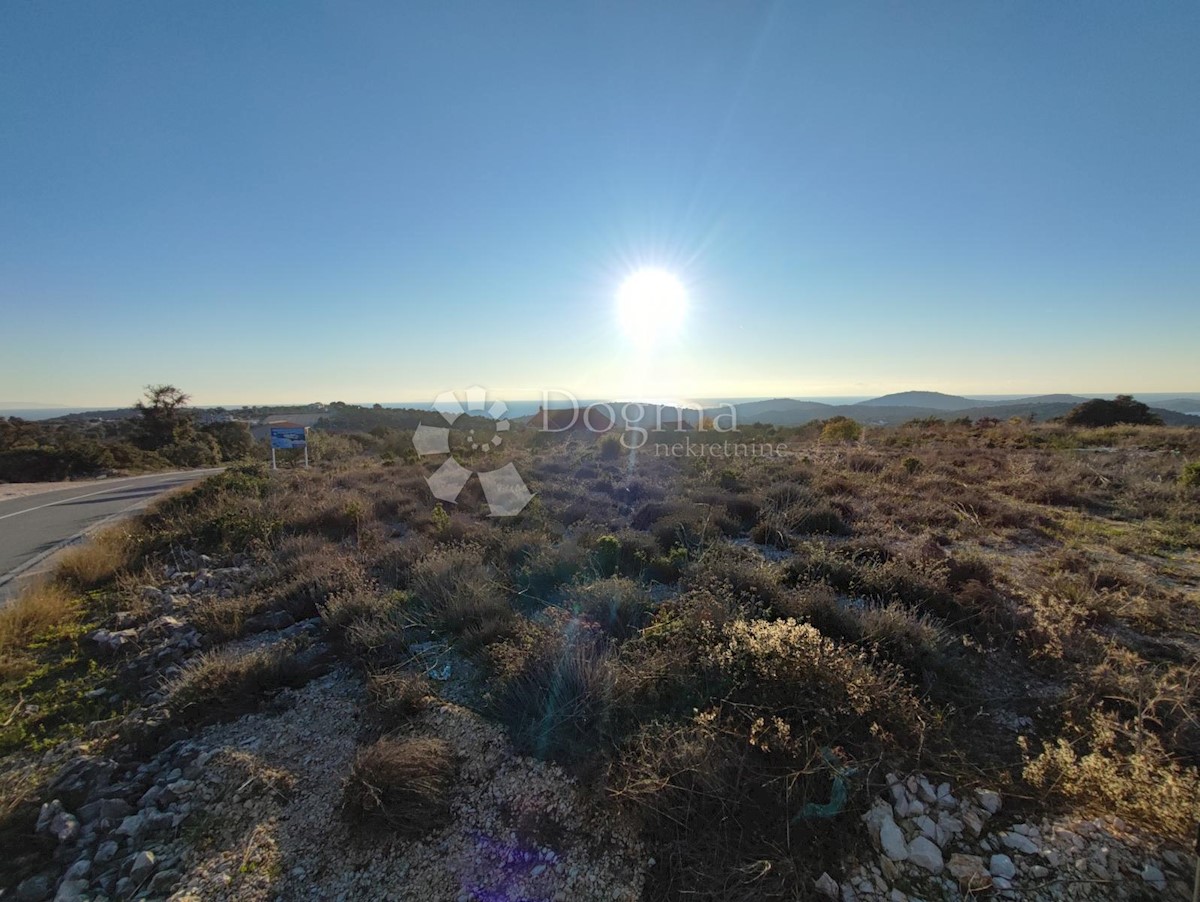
933	400
901	407
936	400
890	409
1181	405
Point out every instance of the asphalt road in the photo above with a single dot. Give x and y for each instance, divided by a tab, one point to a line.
32	528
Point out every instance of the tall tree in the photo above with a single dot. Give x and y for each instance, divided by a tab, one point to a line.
163	417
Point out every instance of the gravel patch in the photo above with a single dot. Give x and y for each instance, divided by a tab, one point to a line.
271	826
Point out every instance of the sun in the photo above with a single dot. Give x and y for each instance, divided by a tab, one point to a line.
651	305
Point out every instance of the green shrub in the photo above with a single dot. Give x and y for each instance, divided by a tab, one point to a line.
618	604
441	519
720	787
1190	477
610	447
1122	409
731	481
840	429
558	707
1115	768
607	553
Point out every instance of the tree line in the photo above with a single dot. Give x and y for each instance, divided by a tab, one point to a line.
165	433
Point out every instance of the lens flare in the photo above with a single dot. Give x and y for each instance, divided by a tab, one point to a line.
651	305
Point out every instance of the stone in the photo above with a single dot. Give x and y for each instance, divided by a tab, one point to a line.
113	642
150	797
891	841
989	799
164	880
114	809
951	825
34	889
973	822
924	853
1020	843
969	870
874	818
891	870
132	826
143	866
48	812
64	827
926	825
81	868
71	891
1154	876
1002	866
827	886
107	851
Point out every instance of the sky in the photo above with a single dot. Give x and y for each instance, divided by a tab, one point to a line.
372	201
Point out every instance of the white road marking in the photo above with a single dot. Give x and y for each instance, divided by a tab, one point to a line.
104	491
22	571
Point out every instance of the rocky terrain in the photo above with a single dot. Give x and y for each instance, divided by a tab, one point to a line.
250	809
675	683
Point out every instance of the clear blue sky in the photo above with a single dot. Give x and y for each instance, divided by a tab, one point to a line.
381	201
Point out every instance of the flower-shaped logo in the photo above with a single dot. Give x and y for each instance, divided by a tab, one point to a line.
504	489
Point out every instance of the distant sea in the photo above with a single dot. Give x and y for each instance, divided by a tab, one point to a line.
32	413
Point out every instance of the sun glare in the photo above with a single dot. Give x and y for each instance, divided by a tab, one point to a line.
650	305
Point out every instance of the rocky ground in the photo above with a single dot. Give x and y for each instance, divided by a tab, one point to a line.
934	845
250	809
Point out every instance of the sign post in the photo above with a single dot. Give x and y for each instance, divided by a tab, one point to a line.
287	437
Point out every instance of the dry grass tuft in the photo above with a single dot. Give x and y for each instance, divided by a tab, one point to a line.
461	596
229	683
97	561
396	695
558	707
401	784
619	605
36	612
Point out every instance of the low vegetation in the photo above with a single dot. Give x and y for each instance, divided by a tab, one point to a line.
162	433
400	784
731	652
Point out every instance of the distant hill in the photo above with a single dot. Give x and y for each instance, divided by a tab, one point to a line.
890	411
1041	399
926	400
934	400
782	411
1181	405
